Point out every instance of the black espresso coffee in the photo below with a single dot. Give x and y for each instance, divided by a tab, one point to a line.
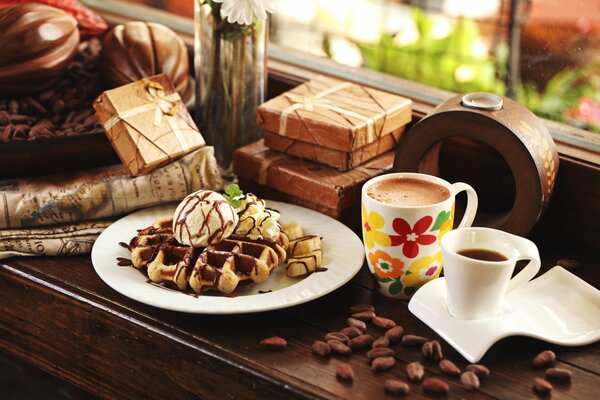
483	254
407	192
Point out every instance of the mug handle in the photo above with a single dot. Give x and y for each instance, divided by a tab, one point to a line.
472	202
527	251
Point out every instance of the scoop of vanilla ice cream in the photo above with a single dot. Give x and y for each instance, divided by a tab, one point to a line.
256	220
202	218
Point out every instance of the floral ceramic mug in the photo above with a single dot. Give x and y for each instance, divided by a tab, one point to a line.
403	238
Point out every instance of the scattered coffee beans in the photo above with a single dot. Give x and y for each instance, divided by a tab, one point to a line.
480	370
544	358
355	323
395	333
351	332
432	350
321	348
382	363
415	371
435	386
344	372
337	336
380	352
413	340
383	323
449	368
363	315
360	308
559	374
542	386
340	348
274	343
360	342
396	387
381	341
470	380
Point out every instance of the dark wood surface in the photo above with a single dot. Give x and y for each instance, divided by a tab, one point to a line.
56	314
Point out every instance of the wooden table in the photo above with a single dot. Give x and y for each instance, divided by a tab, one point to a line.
57	314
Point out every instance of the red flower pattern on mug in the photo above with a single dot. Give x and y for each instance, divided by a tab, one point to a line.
412	238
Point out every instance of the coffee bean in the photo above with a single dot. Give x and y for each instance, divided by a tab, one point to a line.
321	348
559	374
449	368
4	118
58	106
396	387
544	358
435	386
480	370
394	334
381	341
44	97
413	340
380	352
274	343
415	371
19	119
432	350
383	323
337	336
340	348
360	342
470	380
344	371
382	363
363	315
13	106
360	308
351	331
568	263
542	386
356	324
35	106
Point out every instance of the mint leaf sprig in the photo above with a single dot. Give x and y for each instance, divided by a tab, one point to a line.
234	195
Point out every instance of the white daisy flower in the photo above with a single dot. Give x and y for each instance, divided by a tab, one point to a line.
244	11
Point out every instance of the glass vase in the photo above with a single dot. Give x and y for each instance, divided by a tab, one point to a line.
230	68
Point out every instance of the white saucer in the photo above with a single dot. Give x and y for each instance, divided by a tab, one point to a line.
557	307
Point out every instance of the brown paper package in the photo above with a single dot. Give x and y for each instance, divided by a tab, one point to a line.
147	124
333	191
334	114
340	160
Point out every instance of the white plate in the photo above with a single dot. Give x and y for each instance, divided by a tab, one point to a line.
557	307
342	256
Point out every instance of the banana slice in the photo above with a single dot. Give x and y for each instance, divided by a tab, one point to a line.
304	264
304	245
293	230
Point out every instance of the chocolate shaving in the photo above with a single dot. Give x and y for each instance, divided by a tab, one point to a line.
124	262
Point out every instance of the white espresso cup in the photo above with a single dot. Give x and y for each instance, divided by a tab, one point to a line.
476	287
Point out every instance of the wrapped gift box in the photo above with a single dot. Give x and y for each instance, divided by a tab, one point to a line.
306	183
147	123
341	160
334	114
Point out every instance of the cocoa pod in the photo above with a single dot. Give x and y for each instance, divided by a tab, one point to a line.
480	370
383	323
394	334
544	358
413	340
344	371
415	371
396	387
470	380
363	315
382	363
351	332
321	348
381	341
559	374
340	348
356	323
435	386
432	350
274	343
360	308
542	385
337	336
380	352
360	342
449	368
